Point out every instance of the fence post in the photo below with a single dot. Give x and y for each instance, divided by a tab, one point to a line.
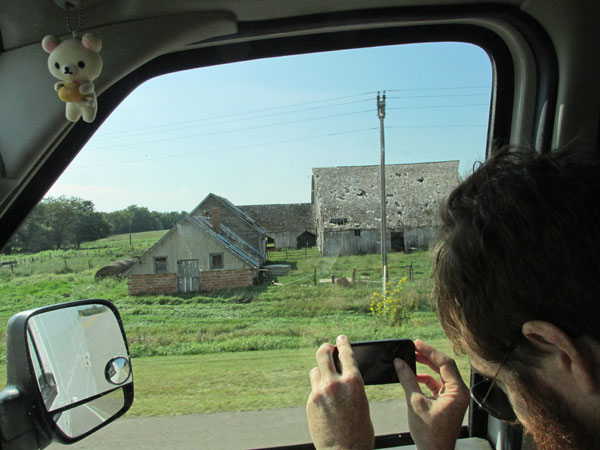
315	276
286	255
353	276
333	279
410	272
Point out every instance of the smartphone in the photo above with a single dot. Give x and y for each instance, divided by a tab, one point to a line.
376	359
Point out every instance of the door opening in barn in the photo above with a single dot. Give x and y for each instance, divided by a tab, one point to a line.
187	275
398	241
306	240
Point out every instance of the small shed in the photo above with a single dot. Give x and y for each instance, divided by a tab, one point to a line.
197	254
288	225
347	205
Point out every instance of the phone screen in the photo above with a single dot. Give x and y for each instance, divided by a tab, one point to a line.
375	359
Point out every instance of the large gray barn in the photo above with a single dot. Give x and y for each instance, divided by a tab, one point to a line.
347	205
288	225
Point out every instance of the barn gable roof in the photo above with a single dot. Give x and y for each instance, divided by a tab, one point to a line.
282	217
349	197
228	239
197	211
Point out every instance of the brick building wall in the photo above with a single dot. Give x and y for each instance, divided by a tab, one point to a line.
159	283
224	279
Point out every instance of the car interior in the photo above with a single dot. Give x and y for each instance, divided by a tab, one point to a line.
545	94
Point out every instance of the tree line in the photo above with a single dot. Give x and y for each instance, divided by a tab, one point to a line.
66	222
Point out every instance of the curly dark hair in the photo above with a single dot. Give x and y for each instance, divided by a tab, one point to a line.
520	241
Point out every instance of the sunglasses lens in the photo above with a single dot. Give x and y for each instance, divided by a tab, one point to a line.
496	403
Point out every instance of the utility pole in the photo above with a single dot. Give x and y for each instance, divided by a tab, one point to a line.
381	116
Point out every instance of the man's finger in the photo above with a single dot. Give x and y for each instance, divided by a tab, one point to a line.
425	360
346	355
432	384
315	378
447	366
407	378
325	360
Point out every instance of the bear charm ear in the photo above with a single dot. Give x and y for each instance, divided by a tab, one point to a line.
91	42
49	43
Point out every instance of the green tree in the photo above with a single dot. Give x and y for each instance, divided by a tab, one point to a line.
72	220
88	225
33	235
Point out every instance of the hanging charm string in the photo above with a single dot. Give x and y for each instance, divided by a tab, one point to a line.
79	19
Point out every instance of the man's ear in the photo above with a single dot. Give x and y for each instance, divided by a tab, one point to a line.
569	354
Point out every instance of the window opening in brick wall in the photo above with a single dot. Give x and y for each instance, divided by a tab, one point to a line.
160	264
216	260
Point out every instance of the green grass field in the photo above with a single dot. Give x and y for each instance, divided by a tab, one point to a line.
229	350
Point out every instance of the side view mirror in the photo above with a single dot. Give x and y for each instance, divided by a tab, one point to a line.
68	374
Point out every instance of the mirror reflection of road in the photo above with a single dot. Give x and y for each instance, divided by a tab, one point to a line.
104	342
75	347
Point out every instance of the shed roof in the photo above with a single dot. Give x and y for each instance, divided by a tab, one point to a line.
349	197
228	239
237	211
282	217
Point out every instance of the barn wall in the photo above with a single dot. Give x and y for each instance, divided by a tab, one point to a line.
235	224
342	243
225	279
286	239
187	242
420	237
160	283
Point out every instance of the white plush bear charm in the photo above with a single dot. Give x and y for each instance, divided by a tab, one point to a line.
77	63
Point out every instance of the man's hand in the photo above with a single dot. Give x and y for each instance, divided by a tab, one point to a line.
337	408
435	420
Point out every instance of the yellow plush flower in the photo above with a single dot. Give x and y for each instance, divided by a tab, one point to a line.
69	92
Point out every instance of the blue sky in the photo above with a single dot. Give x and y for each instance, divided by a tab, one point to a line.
252	131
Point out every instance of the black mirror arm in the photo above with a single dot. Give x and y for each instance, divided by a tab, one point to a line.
20	419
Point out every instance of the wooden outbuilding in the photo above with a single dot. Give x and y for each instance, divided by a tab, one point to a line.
198	254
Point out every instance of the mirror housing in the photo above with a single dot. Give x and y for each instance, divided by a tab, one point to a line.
84	340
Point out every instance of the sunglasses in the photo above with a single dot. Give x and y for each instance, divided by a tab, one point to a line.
493	400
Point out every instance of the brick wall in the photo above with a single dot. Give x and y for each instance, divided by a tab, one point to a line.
224	279
159	283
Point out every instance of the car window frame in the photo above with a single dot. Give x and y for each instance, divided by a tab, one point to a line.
265	39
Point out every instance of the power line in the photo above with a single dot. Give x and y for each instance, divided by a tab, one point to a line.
438	106
249	112
234	130
125	132
440	96
439	89
226	149
439	126
250	118
239	147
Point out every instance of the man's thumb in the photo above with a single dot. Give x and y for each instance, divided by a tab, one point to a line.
407	377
